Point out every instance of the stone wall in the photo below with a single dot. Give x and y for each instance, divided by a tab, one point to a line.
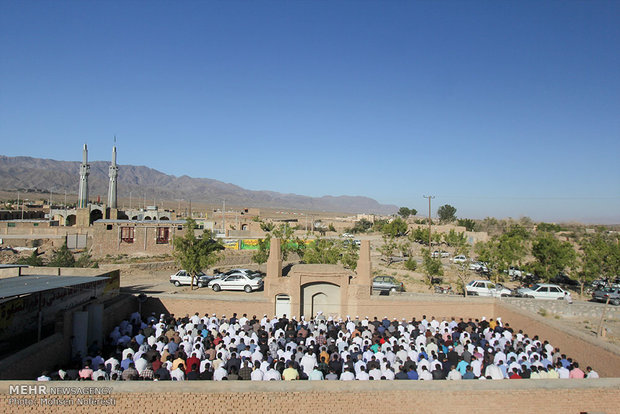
584	310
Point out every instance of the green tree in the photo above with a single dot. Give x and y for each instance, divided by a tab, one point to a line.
463	275
411	264
378	225
599	257
456	240
396	228
285	233
262	254
267	227
62	257
350	255
299	247
552	256
432	266
419	235
323	251
405	248
446	213
194	254
548	227
469	224
361	226
388	248
85	260
405	212
489	253
331	227
32	260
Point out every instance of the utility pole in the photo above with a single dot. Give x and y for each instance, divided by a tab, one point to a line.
224	216
429	222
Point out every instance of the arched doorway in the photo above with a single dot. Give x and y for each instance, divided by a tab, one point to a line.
95	215
70	220
320	296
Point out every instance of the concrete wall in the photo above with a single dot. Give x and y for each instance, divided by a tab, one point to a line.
525	396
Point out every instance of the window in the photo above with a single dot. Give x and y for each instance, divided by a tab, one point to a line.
127	234
108	227
163	235
10	224
35	224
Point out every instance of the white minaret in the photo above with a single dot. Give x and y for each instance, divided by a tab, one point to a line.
113	174
84	171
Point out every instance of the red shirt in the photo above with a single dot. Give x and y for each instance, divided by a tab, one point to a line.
191	361
514	375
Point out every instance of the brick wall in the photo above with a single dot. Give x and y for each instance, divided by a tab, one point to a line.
523	396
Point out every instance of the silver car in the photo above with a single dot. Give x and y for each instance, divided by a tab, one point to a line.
182	277
237	281
387	284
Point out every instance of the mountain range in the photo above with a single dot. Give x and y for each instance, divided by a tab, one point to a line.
27	173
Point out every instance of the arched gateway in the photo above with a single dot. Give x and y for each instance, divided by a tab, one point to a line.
310	288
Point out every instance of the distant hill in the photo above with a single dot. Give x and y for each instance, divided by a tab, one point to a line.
43	174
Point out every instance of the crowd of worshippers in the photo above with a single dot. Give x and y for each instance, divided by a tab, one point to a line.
320	348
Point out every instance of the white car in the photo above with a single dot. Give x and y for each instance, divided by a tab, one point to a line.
182	277
459	259
542	291
486	288
441	253
237	281
479	267
347	235
246	272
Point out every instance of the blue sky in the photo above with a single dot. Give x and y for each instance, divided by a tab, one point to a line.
497	108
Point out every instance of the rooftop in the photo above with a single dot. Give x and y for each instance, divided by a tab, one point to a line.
23	285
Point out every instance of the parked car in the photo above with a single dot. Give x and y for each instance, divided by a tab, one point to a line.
182	277
612	293
440	254
459	259
542	291
347	235
246	272
486	288
387	284
479	267
236	281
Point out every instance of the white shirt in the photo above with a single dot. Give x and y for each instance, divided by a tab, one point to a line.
272	375
219	373
257	375
177	375
454	375
425	375
347	376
